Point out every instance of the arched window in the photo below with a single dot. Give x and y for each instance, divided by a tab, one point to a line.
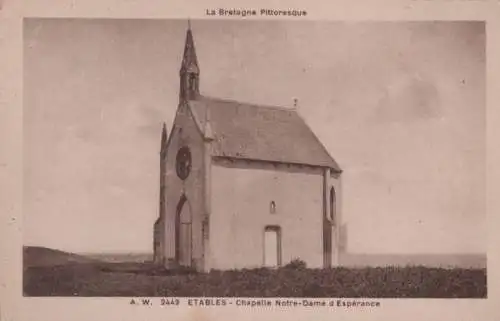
192	83
272	207
333	206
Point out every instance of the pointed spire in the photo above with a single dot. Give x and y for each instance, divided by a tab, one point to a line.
164	138
189	59
189	72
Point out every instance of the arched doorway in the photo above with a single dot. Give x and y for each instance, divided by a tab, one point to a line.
183	233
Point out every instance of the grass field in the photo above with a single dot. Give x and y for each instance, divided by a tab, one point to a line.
74	275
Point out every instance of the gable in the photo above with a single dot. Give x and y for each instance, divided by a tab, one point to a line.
253	132
184	129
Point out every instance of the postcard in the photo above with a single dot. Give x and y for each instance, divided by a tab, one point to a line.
251	161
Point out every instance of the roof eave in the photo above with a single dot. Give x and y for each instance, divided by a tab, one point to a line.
247	159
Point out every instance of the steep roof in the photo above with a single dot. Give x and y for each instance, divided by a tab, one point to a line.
248	131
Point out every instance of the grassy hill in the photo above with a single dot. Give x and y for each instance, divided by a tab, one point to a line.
50	272
121	257
34	256
47	259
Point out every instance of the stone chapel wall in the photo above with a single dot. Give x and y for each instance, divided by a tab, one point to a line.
184	133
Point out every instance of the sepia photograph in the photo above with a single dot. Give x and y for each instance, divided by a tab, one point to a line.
254	158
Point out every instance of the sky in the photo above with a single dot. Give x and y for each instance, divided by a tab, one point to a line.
399	105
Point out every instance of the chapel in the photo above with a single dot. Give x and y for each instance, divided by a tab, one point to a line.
243	185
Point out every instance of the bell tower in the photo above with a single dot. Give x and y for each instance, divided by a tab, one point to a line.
189	72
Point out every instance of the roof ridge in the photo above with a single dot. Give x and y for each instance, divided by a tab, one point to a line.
226	100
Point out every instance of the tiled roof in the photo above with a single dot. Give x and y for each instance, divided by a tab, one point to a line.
248	131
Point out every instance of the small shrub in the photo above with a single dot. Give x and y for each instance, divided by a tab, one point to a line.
296	264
